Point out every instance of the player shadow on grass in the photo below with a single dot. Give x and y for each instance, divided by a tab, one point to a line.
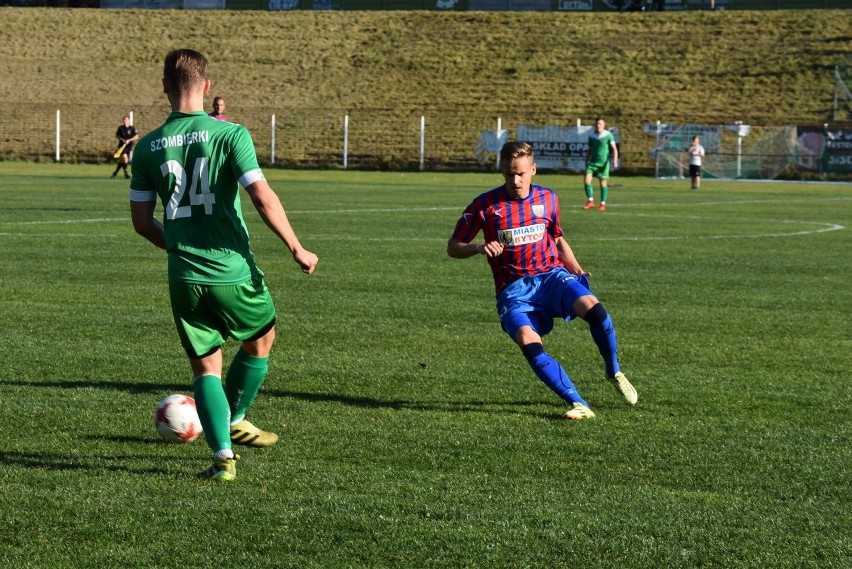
504	407
130	387
89	462
460	406
126	439
39	208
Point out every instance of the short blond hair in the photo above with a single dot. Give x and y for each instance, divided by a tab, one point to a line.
516	149
184	70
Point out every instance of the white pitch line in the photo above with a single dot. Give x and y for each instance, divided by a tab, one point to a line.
62	235
564	210
289	211
371	210
64	221
831	227
828	227
738	202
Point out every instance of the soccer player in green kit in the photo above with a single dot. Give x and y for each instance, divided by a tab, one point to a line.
196	165
601	144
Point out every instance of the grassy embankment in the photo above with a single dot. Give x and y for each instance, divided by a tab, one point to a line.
461	70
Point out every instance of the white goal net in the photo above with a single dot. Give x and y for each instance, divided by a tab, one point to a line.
743	152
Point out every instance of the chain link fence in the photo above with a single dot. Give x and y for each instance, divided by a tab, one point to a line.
433	140
377	138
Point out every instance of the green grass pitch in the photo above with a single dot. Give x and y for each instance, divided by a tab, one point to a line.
413	432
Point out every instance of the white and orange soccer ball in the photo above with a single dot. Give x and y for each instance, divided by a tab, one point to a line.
177	419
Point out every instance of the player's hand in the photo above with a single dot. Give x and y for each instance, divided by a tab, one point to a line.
307	260
492	249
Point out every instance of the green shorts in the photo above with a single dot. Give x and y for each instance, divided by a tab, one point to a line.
207	315
599	171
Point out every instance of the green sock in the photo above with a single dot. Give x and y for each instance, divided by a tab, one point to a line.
243	381
604	193
213	411
589	192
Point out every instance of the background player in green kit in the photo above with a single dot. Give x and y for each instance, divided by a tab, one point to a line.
601	146
195	165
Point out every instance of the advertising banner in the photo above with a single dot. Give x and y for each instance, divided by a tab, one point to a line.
824	150
638	5
561	147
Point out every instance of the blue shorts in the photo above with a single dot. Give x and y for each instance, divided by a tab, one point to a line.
535	301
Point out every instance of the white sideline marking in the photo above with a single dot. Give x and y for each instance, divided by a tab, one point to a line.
830	227
65	221
827	227
58	235
733	202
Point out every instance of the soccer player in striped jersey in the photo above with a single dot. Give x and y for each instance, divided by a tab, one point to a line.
195	165
536	275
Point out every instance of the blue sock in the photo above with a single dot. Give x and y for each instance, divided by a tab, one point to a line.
603	333
551	373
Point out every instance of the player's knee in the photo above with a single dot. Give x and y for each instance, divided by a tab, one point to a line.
261	344
531	351
596	314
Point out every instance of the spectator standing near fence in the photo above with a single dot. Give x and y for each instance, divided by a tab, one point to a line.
696	153
127	135
219	110
601	149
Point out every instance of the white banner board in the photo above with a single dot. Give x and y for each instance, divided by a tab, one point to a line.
561	147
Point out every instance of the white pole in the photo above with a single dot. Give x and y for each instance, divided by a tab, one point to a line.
57	135
345	141
422	140
739	155
272	143
739	148
499	128
131	123
657	153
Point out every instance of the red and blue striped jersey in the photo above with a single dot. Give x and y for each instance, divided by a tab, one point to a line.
528	229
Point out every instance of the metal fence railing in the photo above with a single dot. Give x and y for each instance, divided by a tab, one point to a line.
398	139
432	139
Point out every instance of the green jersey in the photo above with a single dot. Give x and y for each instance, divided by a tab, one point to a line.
599	148
196	165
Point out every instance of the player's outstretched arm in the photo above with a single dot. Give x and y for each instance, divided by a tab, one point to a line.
145	224
566	255
462	250
269	207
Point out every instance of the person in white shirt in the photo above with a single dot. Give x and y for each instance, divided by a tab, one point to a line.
696	153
